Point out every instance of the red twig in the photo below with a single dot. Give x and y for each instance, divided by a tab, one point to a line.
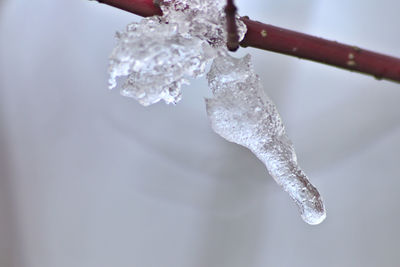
144	8
292	43
304	46
231	27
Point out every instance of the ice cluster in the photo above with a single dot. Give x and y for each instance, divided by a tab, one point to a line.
158	54
242	113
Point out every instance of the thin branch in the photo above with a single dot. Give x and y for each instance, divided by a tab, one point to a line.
304	46
144	8
292	43
231	27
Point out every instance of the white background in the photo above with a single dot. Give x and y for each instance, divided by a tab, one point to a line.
89	178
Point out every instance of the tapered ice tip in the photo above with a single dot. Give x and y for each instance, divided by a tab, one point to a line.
314	216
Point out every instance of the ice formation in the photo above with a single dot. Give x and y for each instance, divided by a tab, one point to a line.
159	53
242	113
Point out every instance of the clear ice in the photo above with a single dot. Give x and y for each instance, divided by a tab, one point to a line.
158	54
241	112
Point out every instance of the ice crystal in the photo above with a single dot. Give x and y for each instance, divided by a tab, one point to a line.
242	113
158	54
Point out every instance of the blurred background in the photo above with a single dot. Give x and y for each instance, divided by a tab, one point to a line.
89	178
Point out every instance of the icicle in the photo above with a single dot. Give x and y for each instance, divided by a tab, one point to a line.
158	54
242	113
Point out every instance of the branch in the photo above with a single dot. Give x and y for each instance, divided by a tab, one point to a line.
231	27
144	8
292	43
304	46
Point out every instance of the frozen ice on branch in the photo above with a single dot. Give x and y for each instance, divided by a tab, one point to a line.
158	54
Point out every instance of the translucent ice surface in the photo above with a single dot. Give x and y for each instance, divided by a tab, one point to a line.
242	113
158	54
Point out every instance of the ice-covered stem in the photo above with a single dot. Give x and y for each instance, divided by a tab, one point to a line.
233	37
292	43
